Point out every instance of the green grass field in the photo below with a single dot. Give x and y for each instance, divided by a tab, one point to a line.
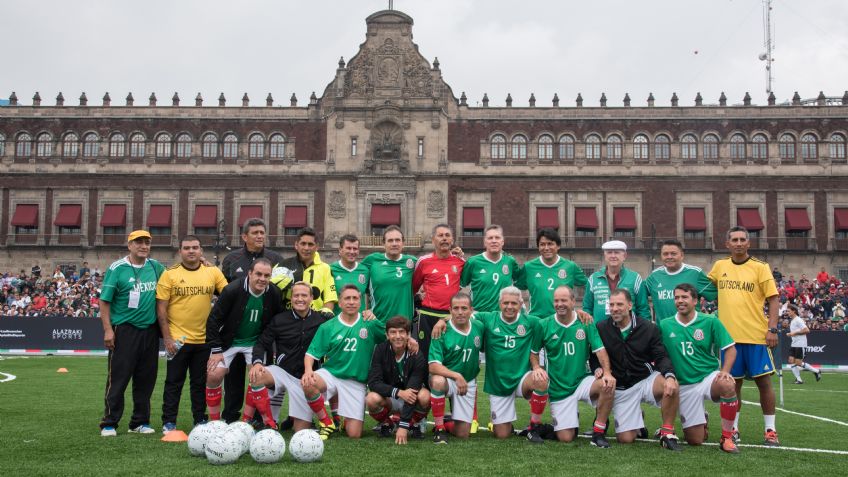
49	426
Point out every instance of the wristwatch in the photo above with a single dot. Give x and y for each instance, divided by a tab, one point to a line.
772	330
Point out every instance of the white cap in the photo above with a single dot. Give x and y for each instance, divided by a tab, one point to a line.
614	245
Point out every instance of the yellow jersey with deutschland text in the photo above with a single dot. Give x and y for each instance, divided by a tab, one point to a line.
189	296
742	292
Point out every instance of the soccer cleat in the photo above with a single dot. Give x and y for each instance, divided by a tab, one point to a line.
108	431
287	424
325	431
770	439
533	434
657	433
727	445
417	433
706	426
441	436
798	381
600	440
474	426
168	427
643	433
669	441
142	429
818	376
386	430
735	437
490	427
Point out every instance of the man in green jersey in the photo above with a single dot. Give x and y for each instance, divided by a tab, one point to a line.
346	344
489	272
454	365
661	282
611	276
390	275
568	344
542	275
508	335
128	313
348	270
693	341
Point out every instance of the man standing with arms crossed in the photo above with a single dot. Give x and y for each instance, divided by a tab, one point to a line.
128	313
234	266
744	285
183	302
542	275
661	282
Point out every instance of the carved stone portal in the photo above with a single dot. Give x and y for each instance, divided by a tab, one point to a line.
337	206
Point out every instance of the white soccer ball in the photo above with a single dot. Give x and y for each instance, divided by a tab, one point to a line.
224	448
267	446
246	430
216	426
306	446
198	438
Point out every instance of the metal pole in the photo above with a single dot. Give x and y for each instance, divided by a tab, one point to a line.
780	368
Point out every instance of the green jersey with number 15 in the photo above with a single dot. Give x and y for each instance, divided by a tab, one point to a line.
507	347
488	278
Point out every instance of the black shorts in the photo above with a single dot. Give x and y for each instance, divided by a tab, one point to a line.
796	353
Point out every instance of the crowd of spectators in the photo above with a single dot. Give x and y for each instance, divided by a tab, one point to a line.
70	293
822	301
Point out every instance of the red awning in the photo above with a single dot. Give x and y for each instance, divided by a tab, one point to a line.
385	214
114	215
249	212
585	218
205	216
26	215
694	219
624	218
69	215
159	216
840	217
295	217
750	219
547	218
797	219
473	218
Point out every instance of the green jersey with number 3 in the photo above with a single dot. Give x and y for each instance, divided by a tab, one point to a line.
488	278
391	285
567	349
694	347
540	280
347	349
507	347
458	351
251	322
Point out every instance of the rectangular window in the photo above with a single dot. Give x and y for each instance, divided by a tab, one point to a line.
710	150
353	142
473	221
163	149
116	148
420	147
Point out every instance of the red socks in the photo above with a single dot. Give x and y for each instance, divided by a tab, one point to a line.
599	427
258	399
382	415
437	404
316	403
727	409
213	402
537	406
665	430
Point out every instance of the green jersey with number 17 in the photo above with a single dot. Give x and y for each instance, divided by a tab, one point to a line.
347	348
541	279
488	278
567	349
458	351
694	347
507	347
391	285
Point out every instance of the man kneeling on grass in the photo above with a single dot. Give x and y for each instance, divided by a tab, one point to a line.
396	382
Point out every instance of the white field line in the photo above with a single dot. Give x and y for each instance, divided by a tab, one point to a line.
804	390
7	377
819	418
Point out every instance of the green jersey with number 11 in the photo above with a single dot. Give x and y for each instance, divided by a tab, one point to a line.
458	351
347	348
507	347
694	347
488	278
567	349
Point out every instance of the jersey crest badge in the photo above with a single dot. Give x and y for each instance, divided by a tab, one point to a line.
477	342
505	269
521	330
698	335
580	335
361	278
363	333
561	274
453	269
409	263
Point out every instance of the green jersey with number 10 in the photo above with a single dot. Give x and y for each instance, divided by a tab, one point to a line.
694	347
507	347
458	351
567	349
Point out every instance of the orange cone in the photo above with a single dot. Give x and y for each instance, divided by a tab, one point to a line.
62	370
175	436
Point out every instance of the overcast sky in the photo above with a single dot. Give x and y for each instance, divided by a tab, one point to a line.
493	46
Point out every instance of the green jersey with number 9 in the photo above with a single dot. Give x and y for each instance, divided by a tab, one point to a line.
347	348
488	278
694	347
540	280
507	347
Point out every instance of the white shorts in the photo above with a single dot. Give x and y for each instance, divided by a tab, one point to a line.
351	395
462	407
283	381
503	407
626	406
564	413
231	352
692	398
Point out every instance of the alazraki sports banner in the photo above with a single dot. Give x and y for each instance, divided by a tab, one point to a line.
823	348
50	333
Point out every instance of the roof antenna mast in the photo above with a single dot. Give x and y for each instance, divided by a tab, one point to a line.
768	43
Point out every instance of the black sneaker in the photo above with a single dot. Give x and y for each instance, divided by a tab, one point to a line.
416	432
287	424
818	376
798	381
599	440
533	435
643	433
386	430
669	441
440	437
735	436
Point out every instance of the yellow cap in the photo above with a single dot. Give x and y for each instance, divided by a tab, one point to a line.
137	234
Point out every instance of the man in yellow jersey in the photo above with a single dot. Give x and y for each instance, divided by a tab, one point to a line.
307	266
744	284
183	301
